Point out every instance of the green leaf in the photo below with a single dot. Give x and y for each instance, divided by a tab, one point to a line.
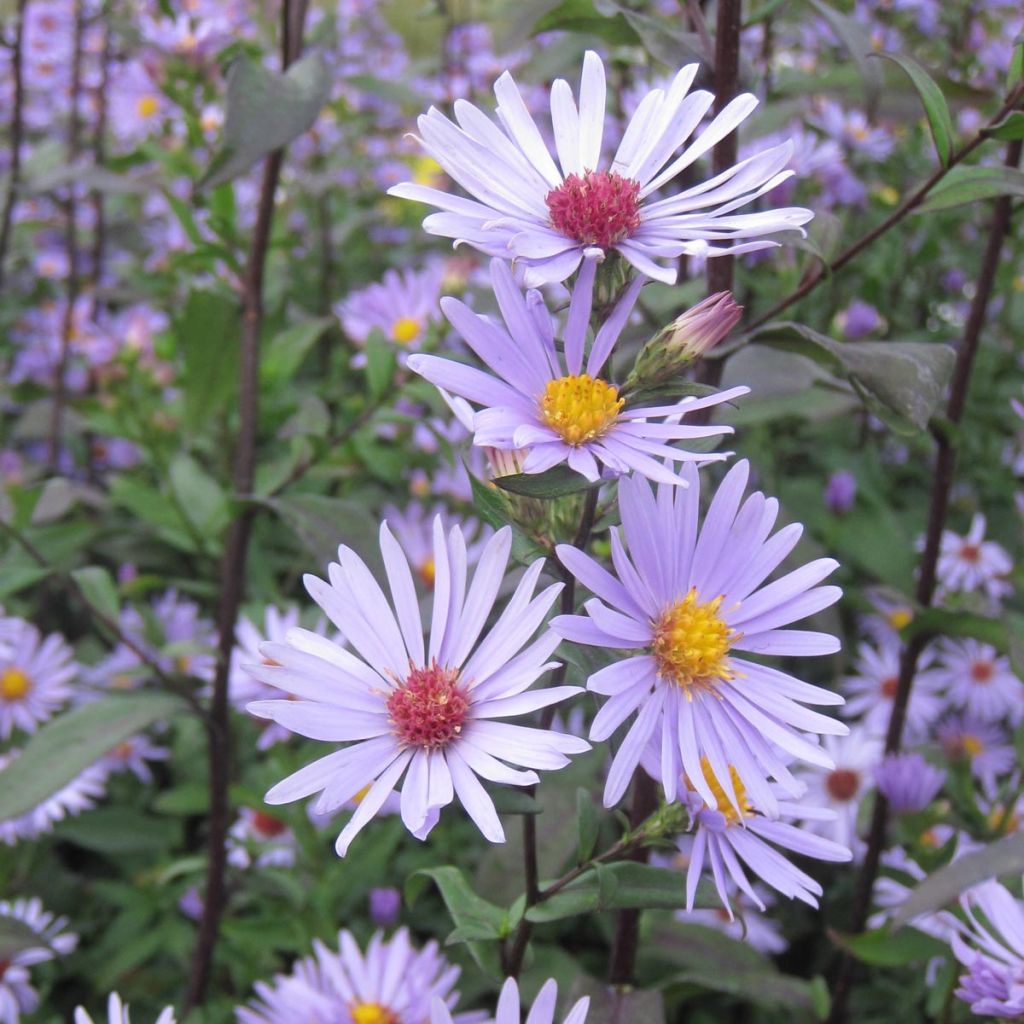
99	589
935	107
855	38
901	381
207	334
475	918
1011	127
661	37
119	831
490	506
881	947
152	507
71	742
622	886
16	936
380	365
322	523
971	184
511	800
284	354
389	89
588	825
584	16
556	482
1016	71
619	1005
1003	857
940	621
199	496
265	110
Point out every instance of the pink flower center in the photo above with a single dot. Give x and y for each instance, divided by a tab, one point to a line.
599	208
982	671
842	784
970	553
428	709
267	825
889	686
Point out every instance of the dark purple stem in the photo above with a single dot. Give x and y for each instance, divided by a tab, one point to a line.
17	134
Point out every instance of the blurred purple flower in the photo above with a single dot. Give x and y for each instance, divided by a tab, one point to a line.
908	782
385	906
840	491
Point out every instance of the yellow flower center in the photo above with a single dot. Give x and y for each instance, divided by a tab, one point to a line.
426	171
427	571
405	329
183	663
725	806
14	684
361	795
372	1013
580	409
972	746
147	106
900	618
1003	820
691	642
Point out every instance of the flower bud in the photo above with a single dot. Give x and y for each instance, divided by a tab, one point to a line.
688	338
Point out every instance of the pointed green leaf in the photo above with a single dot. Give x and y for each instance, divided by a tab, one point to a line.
556	482
971	184
935	107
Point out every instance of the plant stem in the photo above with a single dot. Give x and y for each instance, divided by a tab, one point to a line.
942	484
233	566
911	203
17	133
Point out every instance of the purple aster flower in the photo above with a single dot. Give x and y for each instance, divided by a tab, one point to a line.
547	404
35	677
117	1013
731	836
984	745
133	755
840	492
685	600
509	1009
547	218
972	563
858	320
981	681
908	782
385	907
414	529
992	950
423	712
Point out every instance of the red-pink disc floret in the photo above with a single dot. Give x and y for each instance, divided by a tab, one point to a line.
428	709
599	208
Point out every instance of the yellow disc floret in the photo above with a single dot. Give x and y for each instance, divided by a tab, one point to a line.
147	106
725	806
14	684
580	409
900	618
405	330
372	1013
691	642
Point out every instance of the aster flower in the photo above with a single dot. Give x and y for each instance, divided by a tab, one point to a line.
80	794
17	996
117	1013
549	217
509	1008
402	306
133	755
871	691
687	601
734	838
844	786
892	612
748	924
413	527
984	745
972	563
992	950
908	782
35	674
425	712
980	680
840	492
261	839
542	402
391	982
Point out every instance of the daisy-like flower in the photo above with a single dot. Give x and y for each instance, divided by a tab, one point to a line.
402	306
509	1009
117	1013
547	404
261	839
972	563
413	527
404	708
392	983
730	835
81	794
841	789
35	674
17	996
981	681
687	601
892	612
984	745
548	216
992	950
133	755
871	691
908	782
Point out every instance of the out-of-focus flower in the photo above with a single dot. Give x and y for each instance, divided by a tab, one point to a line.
137	106
748	924
562	415
972	563
840	492
548	219
908	782
117	1013
385	907
858	320
984	745
133	755
686	600
992	950
413	527
425	713
35	677
980	680
260	839
509	1008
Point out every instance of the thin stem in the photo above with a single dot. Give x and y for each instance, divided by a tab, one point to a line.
911	203
942	484
99	150
17	134
233	566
